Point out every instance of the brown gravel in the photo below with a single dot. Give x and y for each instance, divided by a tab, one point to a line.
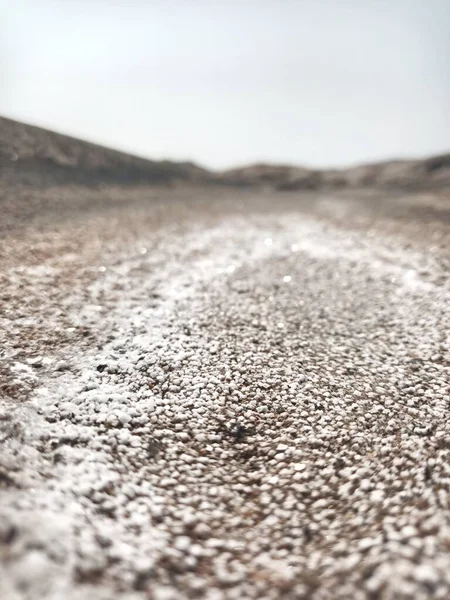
269	485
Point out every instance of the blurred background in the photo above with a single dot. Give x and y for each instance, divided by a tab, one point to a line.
313	82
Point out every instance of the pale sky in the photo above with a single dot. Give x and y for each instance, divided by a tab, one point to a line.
315	82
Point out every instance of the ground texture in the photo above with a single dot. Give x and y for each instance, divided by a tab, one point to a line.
222	394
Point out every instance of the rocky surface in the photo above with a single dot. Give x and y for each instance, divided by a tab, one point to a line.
225	394
213	391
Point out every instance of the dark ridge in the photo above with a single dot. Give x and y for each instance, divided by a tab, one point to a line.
37	157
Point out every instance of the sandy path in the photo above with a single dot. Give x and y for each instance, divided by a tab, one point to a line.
238	404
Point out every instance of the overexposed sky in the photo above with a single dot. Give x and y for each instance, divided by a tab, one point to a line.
225	82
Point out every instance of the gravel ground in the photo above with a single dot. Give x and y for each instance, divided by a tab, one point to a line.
233	397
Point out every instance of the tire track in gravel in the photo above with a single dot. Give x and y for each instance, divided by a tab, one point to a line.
266	417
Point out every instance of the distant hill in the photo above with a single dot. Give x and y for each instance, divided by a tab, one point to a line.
397	174
34	156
